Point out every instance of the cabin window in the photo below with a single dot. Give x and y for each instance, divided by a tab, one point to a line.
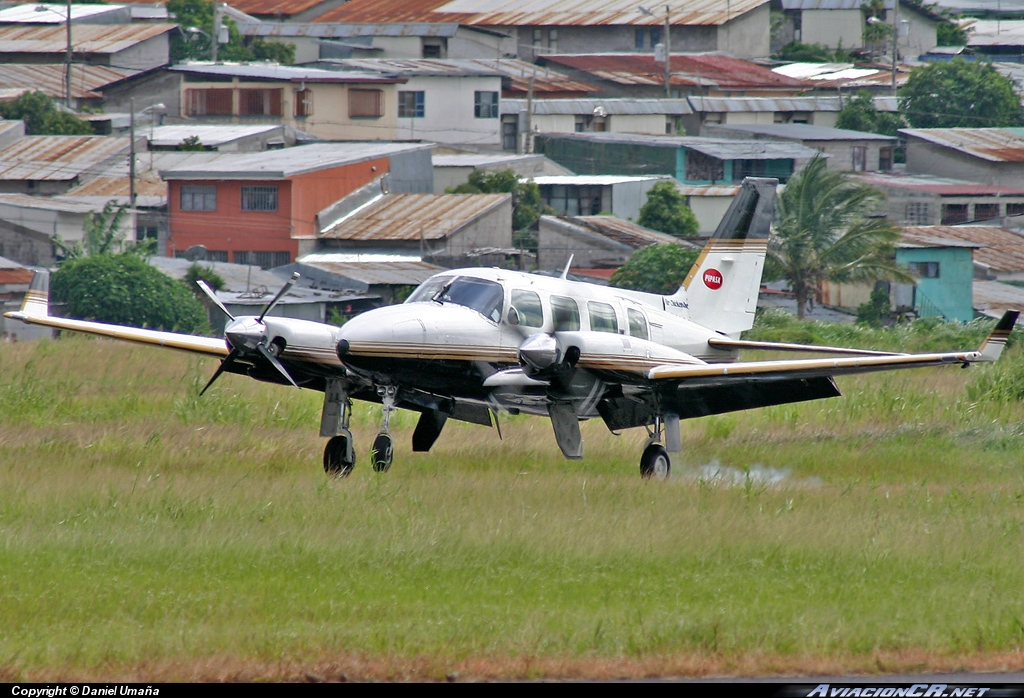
637	323
485	297
565	314
602	317
527	304
428	289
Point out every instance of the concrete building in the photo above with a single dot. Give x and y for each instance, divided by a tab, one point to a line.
451	170
998	252
984	155
587	115
48	165
551	27
816	110
841	23
925	200
222	138
263	208
691	160
332	105
593	242
847	151
945	271
590	195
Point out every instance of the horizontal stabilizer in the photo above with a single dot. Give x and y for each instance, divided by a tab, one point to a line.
993	345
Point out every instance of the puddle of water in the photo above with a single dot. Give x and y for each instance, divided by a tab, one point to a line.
757	474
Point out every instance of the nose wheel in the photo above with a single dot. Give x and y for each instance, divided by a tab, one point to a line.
383	450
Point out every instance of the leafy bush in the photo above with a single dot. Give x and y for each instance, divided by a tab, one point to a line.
666	211
656	269
123	289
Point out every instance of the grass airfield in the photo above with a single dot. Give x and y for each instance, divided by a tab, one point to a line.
148	534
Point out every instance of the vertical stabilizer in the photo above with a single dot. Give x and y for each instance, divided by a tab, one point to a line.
720	292
37	298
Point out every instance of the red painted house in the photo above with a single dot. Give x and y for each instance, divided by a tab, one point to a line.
260	208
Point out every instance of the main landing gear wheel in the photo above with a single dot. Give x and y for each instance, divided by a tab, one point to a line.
339	456
654	463
382	453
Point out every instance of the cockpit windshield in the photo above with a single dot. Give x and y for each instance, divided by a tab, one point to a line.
485	297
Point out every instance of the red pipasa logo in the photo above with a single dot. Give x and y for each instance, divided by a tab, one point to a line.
713	279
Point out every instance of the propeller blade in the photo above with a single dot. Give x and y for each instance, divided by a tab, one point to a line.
228	360
280	294
265	353
213	297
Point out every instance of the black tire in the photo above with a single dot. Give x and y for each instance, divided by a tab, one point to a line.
382	453
336	461
655	463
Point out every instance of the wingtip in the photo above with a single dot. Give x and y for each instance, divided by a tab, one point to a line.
994	344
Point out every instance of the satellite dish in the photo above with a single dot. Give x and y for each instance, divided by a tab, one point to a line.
196	253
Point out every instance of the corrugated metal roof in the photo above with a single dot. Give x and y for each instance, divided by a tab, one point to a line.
721	148
688	69
626	232
990	32
87	38
480	159
1000	249
16	276
282	8
418	66
48	13
58	158
992	144
855	5
411	273
334	30
943	186
287	162
47	203
589	106
86	80
992	295
212	135
413	217
593	180
238	278
514	13
544	80
803	132
708	190
285	73
146	184
764	104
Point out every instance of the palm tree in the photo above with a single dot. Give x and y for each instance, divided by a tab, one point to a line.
825	233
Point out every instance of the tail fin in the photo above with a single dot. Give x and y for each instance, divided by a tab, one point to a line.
993	345
720	292
37	298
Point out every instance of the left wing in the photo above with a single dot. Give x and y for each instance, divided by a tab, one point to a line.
35	310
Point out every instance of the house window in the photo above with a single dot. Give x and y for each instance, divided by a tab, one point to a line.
1015	209
198	197
365	104
983	211
704	168
259	198
538	37
552	41
259	102
885	158
565	314
926	270
798	25
304	102
208	102
509	135
217	256
410	104
434	48
954	213
573	200
917	213
146	232
638	41
263	260
859	157
602	318
485	105
655	36
637	323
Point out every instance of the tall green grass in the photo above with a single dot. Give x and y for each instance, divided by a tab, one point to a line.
140	524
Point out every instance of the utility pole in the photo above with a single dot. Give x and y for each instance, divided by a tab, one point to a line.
216	30
895	41
67	59
131	154
528	141
668	54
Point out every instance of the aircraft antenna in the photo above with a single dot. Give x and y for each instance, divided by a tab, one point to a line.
565	272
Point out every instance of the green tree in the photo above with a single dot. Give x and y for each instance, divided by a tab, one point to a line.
959	94
804	53
666	210
101	233
123	289
950	34
42	118
825	233
527	205
860	114
191	143
195	46
656	269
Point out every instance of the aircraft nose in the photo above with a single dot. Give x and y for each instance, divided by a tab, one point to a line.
245	333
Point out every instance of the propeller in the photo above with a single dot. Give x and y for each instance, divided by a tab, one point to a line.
248	335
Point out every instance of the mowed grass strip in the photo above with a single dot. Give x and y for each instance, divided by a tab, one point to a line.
141	527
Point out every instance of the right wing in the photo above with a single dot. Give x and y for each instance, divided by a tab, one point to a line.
35	310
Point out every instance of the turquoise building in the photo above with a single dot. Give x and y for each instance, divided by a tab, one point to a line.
945	275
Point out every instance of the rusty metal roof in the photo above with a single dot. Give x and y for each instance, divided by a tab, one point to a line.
625	232
942	186
992	144
992	297
999	249
764	104
707	190
280	8
58	158
443	67
413	217
688	70
336	30
588	106
395	273
87	38
86	80
514	13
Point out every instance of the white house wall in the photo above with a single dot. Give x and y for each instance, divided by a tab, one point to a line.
151	53
554	123
448	114
832	27
637	123
748	35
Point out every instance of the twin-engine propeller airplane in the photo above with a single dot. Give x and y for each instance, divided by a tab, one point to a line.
470	342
